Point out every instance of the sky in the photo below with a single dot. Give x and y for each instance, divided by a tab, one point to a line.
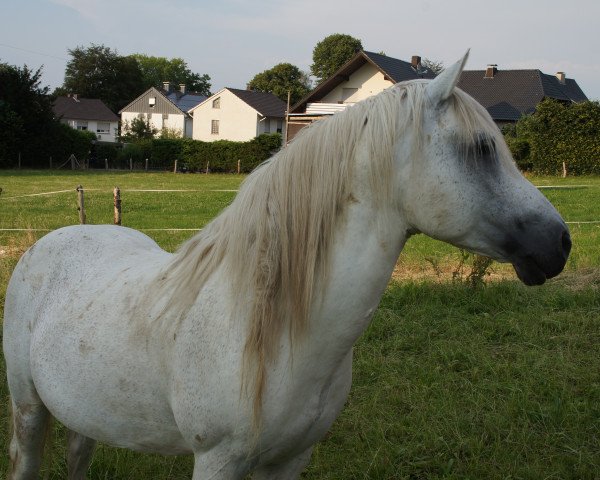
233	40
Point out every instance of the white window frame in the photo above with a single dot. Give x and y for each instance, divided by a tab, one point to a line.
103	130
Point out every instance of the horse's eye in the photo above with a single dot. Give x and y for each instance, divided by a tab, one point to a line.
484	146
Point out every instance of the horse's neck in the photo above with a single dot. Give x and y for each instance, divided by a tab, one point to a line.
364	253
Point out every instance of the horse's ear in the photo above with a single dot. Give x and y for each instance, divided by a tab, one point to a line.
443	85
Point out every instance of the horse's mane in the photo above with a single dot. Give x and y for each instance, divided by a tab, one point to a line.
273	242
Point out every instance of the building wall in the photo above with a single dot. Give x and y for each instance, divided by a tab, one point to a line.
92	126
237	120
177	122
367	81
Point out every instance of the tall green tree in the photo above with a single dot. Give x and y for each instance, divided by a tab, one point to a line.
331	53
281	79
25	111
156	70
99	72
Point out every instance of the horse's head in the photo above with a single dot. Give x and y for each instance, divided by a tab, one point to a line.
461	185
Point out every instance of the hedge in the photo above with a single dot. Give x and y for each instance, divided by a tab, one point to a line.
558	133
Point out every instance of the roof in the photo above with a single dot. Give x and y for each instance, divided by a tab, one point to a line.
173	101
77	108
184	101
393	69
264	103
512	93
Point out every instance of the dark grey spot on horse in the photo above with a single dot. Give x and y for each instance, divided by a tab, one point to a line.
198	438
365	123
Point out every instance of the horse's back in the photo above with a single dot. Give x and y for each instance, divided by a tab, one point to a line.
75	259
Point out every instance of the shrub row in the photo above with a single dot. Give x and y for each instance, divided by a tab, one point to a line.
58	142
558	133
192	155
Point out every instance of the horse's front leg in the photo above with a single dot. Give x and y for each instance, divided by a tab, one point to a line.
284	471
219	464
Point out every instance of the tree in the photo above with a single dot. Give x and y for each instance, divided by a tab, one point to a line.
138	129
435	67
99	72
331	53
25	112
156	70
280	79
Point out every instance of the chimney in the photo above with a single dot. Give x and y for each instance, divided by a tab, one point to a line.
182	88
561	77
491	70
167	86
415	62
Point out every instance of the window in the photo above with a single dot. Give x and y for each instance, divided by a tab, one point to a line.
103	127
267	126
214	127
152	101
217	102
82	125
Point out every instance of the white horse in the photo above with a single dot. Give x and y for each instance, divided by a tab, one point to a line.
238	348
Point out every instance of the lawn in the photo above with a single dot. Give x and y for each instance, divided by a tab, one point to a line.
449	381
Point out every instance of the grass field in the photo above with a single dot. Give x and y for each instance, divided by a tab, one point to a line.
501	382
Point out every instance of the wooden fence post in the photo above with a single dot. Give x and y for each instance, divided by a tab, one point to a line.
19	161
175	168
50	162
106	164
239	165
80	205
146	164
130	163
72	158
564	170
117	198
207	166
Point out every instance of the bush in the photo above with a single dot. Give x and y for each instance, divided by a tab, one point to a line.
558	133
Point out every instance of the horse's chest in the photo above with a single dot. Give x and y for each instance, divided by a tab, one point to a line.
295	423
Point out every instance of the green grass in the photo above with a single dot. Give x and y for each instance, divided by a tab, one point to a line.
501	382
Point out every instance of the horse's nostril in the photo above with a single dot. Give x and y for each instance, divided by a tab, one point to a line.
566	243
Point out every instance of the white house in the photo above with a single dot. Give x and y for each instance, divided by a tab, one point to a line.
87	114
364	75
238	115
164	109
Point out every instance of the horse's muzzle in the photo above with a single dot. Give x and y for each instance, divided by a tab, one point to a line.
540	255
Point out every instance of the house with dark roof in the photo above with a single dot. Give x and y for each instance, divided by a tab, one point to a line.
509	94
238	115
87	114
364	75
164	109
506	94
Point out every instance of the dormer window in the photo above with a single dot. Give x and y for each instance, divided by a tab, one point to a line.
216	103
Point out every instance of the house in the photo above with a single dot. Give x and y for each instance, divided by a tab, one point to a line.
164	109
506	94
364	75
509	94
87	114
239	115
